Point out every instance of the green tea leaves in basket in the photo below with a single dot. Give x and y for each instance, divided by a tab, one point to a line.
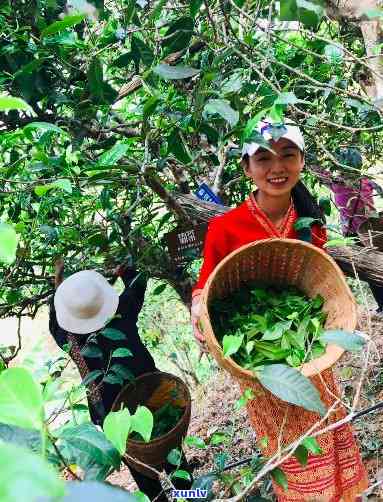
270	331
291	386
259	326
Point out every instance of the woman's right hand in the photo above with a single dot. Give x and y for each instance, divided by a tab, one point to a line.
195	313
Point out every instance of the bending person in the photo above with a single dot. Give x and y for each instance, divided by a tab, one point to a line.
84	304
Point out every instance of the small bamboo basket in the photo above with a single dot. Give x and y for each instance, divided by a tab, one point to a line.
283	262
153	390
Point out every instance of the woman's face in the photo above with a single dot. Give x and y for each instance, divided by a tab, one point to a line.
276	173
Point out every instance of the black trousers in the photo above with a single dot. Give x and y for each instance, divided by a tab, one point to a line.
152	488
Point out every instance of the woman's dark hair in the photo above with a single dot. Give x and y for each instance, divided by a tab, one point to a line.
305	204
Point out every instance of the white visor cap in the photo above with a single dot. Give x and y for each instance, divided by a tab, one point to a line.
264	127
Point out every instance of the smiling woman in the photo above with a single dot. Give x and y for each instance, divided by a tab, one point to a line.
274	163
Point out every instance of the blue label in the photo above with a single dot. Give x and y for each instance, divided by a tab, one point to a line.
205	193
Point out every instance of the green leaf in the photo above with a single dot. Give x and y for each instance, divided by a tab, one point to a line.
263	442
25	476
312	6
42	126
12	103
112	156
140	47
251	124
247	395
297	340
221	107
95	77
180	474
288	10
286	98
178	72
21	401
345	241
122	352
141	497
231	344
91	351
310	13
85	491
325	205
64	184
179	34
142	422
373	13
113	379
351	341
41	190
220	460
130	11
194	7
194	441
91	377
307	12
277	330
280	478
304	222
113	334
86	438
157	10
177	147
334	53
124	60
312	445
21	437
276	114
122	371
301	454
219	438
150	106
174	457
8	244
232	84
59	26
117	426
159	289
291	386
205	483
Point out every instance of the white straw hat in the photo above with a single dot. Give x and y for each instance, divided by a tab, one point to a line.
264	127
85	302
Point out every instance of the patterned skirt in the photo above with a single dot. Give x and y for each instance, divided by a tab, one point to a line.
337	474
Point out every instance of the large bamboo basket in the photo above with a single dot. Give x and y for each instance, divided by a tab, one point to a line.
153	390
282	262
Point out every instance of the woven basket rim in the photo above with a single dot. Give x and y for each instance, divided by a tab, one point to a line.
186	411
307	369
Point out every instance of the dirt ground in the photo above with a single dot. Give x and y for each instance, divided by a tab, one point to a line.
213	412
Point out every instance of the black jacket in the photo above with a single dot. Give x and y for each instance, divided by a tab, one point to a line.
130	304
